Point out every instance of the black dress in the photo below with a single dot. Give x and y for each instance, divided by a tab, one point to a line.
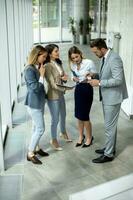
83	101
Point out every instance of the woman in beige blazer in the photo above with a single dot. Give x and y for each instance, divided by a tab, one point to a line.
55	75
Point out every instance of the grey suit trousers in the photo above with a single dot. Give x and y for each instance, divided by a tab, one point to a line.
111	114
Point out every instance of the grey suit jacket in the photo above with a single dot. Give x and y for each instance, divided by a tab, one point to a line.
35	97
112	79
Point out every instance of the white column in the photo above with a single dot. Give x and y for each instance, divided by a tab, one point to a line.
1	146
11	49
5	92
21	32
17	41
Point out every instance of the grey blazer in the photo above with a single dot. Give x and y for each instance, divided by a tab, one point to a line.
35	97
112	79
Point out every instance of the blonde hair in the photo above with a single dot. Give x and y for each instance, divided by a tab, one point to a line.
35	52
74	50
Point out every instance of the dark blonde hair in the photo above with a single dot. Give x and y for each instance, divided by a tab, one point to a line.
74	50
35	52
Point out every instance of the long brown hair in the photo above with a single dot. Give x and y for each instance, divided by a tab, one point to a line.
50	48
35	52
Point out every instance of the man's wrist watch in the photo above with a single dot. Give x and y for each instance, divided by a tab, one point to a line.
99	84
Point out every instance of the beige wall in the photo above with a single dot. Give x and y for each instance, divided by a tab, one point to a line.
120	19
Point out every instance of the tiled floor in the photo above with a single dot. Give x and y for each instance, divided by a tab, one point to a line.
71	170
10	187
119	189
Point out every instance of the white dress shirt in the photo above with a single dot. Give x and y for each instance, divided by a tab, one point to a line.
86	66
41	79
106	55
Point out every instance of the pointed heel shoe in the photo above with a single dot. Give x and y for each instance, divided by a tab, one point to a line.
88	145
65	137
56	146
80	144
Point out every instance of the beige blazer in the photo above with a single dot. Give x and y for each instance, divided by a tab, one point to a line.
52	76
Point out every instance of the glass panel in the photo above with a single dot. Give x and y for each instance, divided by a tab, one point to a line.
67	11
36	21
49	18
94	14
52	28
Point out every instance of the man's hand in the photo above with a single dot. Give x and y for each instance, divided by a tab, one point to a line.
94	82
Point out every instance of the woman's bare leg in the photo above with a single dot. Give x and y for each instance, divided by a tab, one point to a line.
88	127
81	130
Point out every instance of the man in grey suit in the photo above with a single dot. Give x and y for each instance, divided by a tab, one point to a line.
112	91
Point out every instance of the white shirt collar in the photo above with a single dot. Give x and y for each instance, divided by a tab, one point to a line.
107	53
36	66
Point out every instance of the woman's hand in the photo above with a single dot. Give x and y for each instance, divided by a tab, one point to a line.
42	70
90	74
76	79
64	77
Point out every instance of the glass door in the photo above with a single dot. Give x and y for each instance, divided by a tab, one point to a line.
50	20
66	12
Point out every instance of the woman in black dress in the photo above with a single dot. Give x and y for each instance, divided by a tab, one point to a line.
83	96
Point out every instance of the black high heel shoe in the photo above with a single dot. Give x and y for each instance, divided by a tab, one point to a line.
79	144
88	145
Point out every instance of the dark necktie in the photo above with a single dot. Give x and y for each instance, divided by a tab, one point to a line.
103	59
100	94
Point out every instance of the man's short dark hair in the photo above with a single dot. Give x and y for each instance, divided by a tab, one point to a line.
99	43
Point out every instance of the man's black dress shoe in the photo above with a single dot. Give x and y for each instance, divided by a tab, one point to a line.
34	160
79	144
102	159
88	145
101	151
41	153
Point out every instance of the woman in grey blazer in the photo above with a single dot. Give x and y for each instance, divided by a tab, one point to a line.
56	102
35	100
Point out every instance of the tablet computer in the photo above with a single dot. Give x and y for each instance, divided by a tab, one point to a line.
66	86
